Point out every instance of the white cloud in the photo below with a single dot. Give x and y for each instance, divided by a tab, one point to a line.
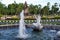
7	2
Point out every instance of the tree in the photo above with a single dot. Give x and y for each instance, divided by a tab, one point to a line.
1	7
5	11
19	8
11	8
39	9
48	7
36	9
31	9
54	9
45	10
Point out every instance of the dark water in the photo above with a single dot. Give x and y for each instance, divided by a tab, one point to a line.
10	34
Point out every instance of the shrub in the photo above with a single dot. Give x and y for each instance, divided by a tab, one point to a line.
57	17
0	15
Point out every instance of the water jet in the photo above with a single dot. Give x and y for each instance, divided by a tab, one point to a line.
22	28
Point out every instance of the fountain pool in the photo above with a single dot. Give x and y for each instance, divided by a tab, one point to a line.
22	32
10	34
22	28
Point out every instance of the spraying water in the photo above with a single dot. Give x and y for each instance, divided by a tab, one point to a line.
38	19
38	23
22	29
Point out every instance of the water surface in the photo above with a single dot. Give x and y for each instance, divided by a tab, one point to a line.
10	34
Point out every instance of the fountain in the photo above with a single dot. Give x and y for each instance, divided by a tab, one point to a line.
38	25
22	29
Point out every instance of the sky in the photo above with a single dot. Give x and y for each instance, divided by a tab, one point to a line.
34	2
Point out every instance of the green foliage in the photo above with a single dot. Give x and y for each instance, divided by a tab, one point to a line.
1	7
0	15
31	9
57	17
34	9
19	8
15	9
